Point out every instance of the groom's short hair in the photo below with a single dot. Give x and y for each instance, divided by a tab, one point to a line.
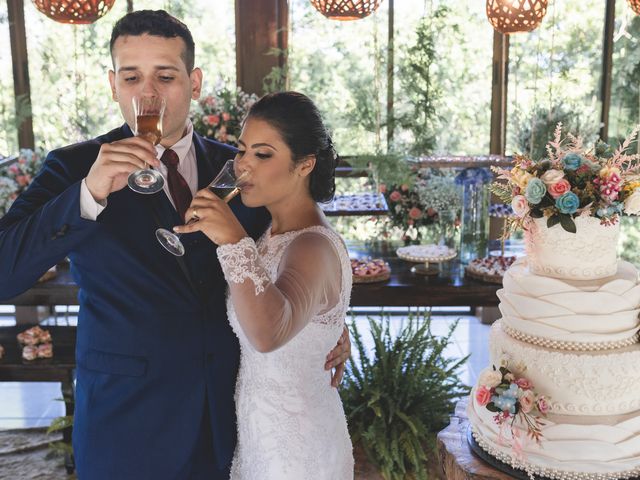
158	23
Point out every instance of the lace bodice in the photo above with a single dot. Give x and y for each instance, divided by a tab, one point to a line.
288	297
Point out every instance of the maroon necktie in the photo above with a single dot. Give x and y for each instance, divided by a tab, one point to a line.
180	191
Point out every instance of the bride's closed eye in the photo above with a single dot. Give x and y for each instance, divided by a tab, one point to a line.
263	156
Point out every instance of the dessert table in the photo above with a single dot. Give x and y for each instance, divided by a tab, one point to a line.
449	288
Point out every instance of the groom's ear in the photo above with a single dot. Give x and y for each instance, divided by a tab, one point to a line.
196	83
306	166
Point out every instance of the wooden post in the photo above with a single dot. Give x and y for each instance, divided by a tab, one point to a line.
607	61
21	88
499	93
390	65
261	27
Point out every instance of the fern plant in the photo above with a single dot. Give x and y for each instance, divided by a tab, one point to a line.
399	398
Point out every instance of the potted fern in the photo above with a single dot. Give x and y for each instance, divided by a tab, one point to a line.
399	397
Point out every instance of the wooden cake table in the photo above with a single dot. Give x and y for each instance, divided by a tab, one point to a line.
456	458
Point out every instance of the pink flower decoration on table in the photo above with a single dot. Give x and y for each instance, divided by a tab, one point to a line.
23	180
483	395
226	116
404	187
410	222
395	196
559	188
415	213
543	405
524	383
520	205
527	401
382	188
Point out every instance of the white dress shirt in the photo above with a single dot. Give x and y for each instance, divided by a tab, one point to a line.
188	168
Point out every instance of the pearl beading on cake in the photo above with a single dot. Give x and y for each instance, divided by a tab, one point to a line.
551	473
572	346
577	383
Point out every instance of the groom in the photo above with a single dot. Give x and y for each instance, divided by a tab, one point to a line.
156	357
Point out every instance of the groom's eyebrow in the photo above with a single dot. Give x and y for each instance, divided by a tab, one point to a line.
157	67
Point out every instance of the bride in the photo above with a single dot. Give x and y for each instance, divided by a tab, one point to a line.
288	295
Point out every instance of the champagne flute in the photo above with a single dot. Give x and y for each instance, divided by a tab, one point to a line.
226	185
148	112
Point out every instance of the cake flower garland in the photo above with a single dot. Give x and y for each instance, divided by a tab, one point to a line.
511	398
573	181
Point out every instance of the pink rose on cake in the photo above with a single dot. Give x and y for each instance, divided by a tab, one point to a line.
524	383
520	205
527	401
543	404
559	188
483	395
490	378
551	177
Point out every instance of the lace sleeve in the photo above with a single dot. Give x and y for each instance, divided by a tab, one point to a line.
239	261
272	313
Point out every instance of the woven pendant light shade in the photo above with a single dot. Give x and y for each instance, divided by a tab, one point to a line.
74	11
346	9
513	16
635	6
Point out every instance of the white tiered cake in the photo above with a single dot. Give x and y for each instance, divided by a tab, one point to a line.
570	327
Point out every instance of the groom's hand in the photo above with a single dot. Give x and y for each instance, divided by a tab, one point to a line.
337	358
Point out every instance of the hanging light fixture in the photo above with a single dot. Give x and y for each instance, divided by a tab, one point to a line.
635	6
74	11
513	16
346	9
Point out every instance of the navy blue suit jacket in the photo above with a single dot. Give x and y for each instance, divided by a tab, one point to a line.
154	348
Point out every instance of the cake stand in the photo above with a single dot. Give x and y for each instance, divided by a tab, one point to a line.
428	256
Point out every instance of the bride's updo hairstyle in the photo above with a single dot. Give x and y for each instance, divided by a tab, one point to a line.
299	123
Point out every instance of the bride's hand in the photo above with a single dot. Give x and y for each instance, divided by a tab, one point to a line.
215	219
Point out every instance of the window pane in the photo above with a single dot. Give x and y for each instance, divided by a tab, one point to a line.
554	75
8	130
343	67
624	114
68	66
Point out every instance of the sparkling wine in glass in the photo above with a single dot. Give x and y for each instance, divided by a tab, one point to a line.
226	185
148	113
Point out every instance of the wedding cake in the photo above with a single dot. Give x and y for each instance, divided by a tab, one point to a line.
561	399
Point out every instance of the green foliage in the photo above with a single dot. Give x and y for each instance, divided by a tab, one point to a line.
534	129
276	79
630	239
419	84
397	400
391	168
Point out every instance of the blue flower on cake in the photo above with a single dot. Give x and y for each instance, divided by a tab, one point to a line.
572	161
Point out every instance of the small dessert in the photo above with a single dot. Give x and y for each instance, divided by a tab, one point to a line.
30	352
370	270
34	336
45	350
36	343
489	269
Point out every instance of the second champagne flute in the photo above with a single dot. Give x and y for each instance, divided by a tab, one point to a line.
148	112
226	185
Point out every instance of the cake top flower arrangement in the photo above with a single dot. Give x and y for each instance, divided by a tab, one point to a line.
572	181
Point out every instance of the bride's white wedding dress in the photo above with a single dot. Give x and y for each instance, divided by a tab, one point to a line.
288	297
